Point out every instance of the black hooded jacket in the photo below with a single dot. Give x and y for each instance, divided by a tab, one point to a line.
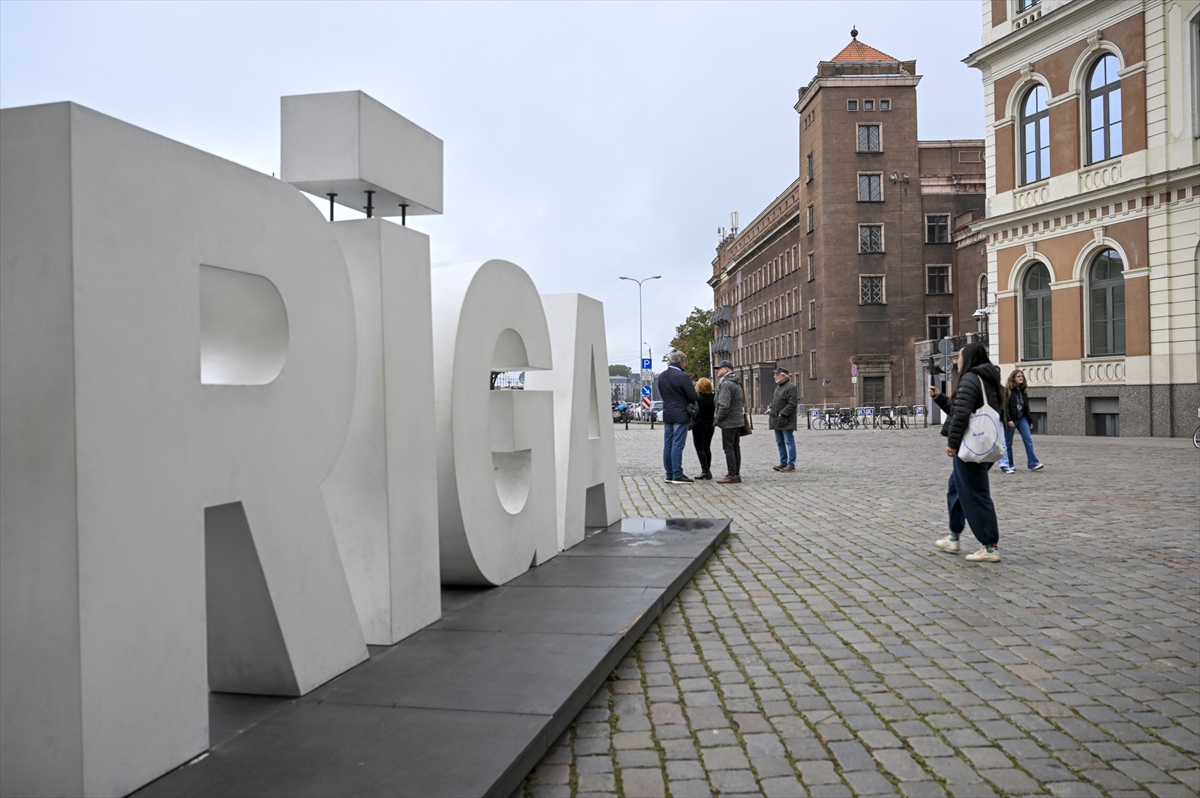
978	384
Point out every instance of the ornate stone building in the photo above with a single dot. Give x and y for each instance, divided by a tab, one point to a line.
854	261
1093	219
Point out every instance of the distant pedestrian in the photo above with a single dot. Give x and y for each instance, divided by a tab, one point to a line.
676	392
1019	420
781	417
968	495
731	405
702	427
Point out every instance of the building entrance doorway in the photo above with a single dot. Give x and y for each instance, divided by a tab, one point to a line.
873	394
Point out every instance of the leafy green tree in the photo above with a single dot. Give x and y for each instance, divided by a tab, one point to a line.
619	370
692	338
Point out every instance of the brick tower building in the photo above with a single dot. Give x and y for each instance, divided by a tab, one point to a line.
855	260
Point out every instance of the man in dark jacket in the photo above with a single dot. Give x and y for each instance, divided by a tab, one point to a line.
729	418
677	392
781	417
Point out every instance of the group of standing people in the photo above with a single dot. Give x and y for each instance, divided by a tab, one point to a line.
968	493
704	409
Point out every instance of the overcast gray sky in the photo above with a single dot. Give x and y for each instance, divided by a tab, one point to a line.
583	140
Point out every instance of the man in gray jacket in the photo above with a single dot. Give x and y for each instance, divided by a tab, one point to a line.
731	404
782	419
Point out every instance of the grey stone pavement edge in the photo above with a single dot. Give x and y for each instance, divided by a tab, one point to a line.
827	649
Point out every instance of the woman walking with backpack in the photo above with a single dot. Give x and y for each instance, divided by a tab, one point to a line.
1019	420
968	495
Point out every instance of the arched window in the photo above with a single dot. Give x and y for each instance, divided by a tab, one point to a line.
1106	285
1035	136
1035	296
983	291
1104	110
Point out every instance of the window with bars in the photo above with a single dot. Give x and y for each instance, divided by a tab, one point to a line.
851	105
937	228
885	105
868	105
939	327
870	289
937	279
870	238
868	138
870	187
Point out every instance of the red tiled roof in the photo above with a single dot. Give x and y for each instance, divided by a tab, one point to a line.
859	52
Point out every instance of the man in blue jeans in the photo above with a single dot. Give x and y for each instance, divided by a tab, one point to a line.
676	391
782	418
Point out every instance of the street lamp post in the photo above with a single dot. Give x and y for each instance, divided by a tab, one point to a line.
641	342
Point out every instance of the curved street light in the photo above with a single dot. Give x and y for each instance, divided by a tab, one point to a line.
639	283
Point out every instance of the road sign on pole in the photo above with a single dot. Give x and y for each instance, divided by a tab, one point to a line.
853	370
646	390
647	364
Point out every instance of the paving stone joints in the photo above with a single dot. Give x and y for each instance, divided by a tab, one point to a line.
826	649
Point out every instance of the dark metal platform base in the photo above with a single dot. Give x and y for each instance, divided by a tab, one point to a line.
468	705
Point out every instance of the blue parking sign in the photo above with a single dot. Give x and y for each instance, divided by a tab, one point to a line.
647	364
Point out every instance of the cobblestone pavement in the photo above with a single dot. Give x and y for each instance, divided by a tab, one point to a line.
827	649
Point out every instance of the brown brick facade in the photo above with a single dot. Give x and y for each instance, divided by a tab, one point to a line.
819	328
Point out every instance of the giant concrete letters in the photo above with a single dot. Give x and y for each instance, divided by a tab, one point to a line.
382	495
585	451
236	439
122	257
495	449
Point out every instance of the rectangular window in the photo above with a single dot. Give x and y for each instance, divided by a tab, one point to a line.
870	238
939	327
812	266
868	105
810	167
812	364
885	105
937	228
870	289
851	105
937	279
870	188
812	219
868	138
812	314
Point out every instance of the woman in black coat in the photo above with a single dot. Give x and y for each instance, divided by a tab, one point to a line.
968	496
702	427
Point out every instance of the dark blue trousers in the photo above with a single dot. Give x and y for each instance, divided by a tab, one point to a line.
969	498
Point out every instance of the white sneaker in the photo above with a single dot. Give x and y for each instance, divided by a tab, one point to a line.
947	544
983	555
1007	470
1037	467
